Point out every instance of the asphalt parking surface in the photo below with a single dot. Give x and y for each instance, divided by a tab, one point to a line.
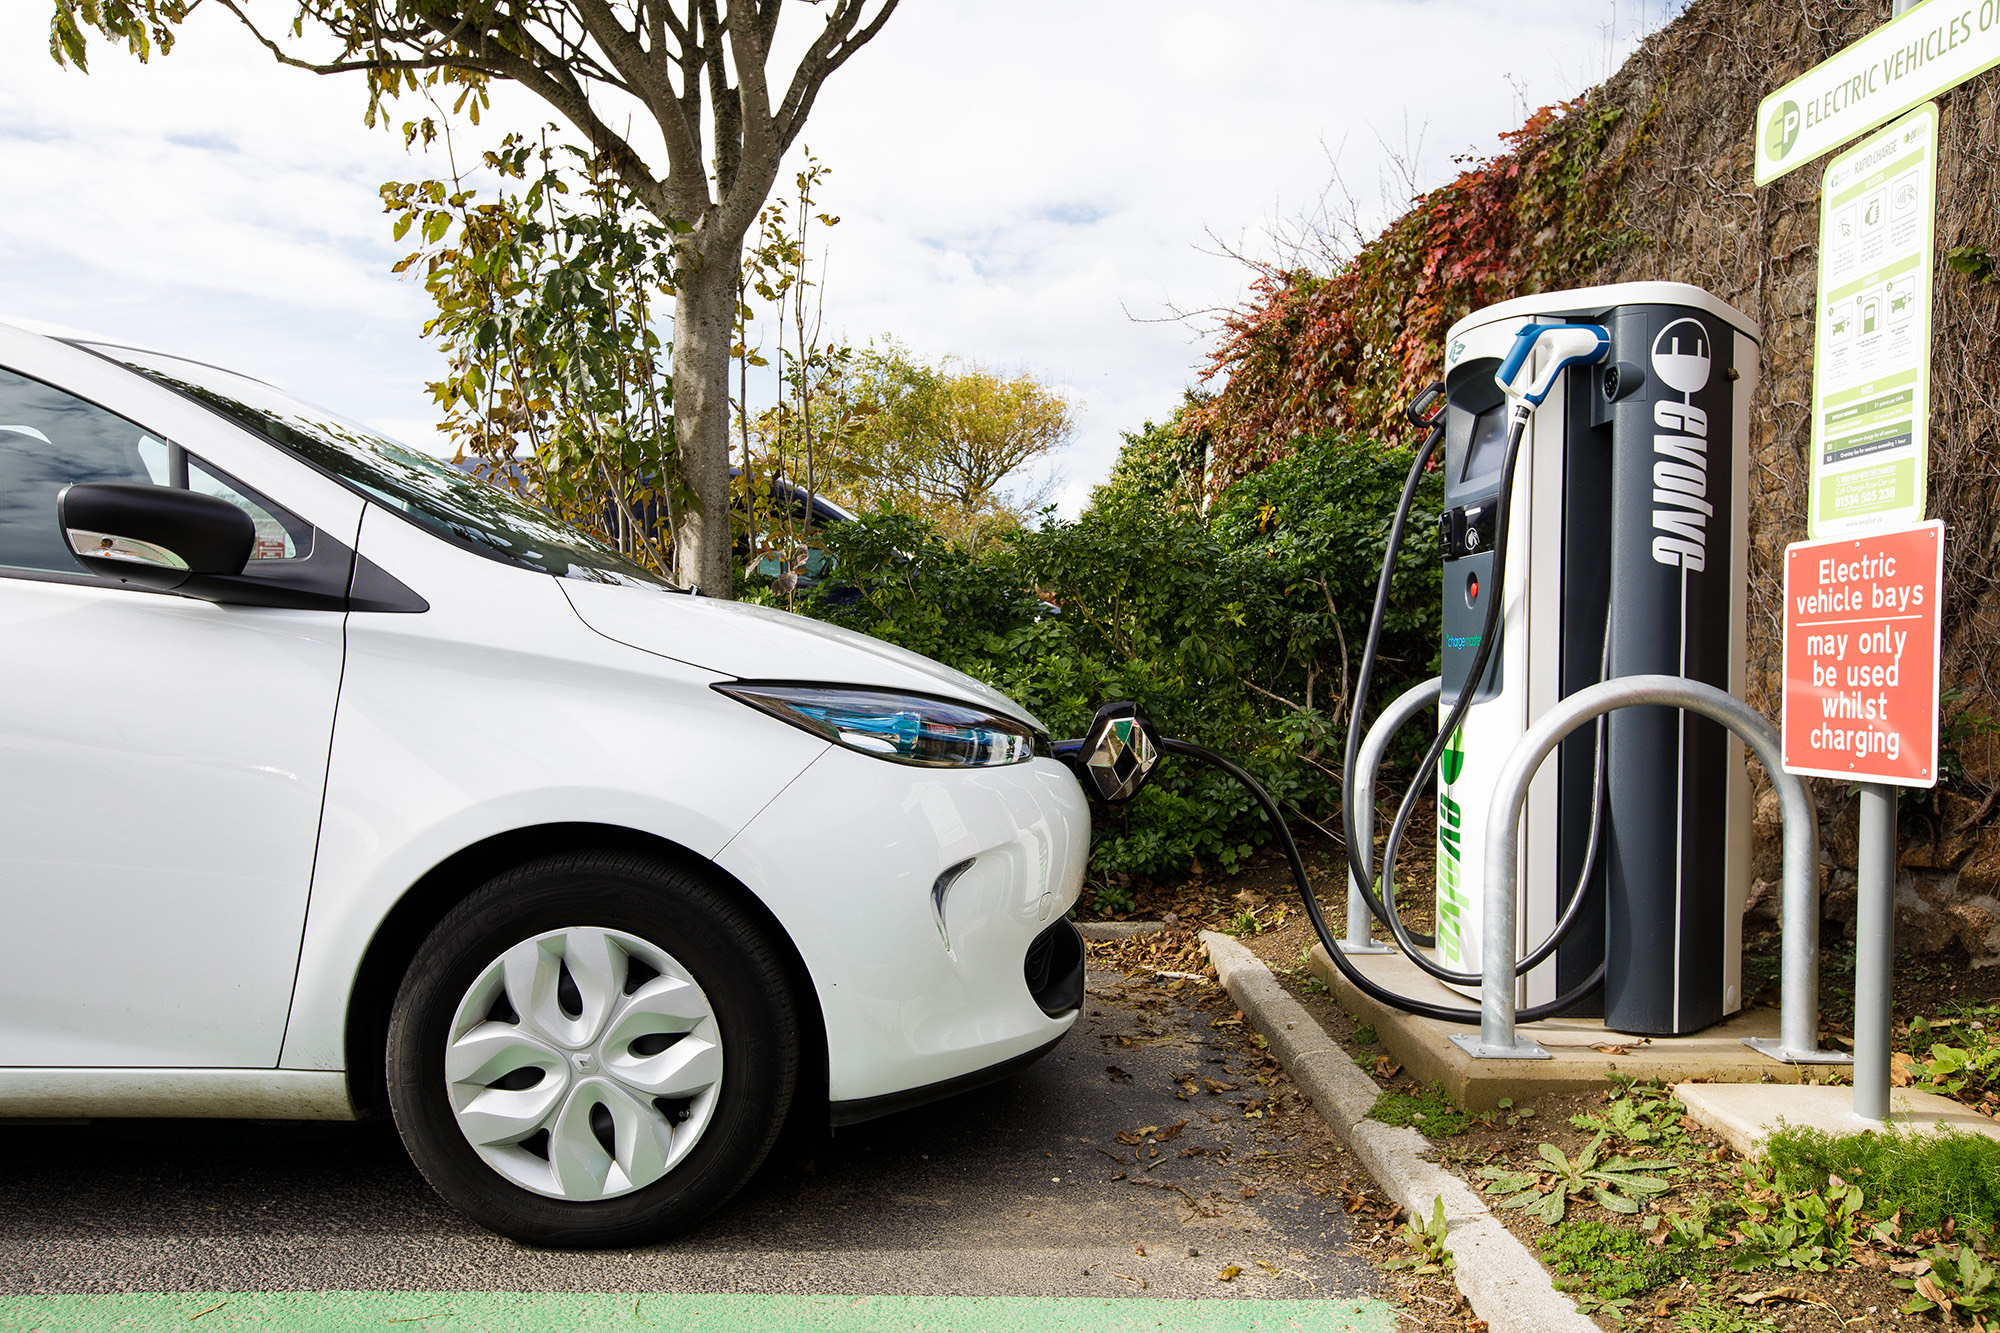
1011	1191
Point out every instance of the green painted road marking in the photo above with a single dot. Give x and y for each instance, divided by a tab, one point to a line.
551	1312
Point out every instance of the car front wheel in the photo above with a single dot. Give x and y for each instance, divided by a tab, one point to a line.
593	1049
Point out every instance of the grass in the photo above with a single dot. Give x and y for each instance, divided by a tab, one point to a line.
1925	1177
1427	1109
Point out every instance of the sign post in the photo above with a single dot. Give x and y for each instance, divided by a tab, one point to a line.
1872	359
1862	622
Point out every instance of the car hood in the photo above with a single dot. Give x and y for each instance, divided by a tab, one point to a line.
754	642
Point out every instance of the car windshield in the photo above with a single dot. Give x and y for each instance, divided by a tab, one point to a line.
464	510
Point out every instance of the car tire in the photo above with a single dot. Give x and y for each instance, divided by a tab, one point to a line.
593	1049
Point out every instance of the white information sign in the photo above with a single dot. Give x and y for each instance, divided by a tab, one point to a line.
1936	45
1871	367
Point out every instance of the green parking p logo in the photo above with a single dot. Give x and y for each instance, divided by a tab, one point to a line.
1782	130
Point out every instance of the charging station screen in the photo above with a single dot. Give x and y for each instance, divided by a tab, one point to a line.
1488	447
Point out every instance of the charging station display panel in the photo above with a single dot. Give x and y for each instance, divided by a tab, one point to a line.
1862	620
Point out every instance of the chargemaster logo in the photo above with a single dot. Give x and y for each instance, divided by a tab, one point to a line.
1782	130
1682	361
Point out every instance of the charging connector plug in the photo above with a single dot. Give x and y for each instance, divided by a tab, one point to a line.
1566	345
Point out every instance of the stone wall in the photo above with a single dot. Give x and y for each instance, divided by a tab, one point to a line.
1690	96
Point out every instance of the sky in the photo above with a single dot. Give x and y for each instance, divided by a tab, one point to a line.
1037	186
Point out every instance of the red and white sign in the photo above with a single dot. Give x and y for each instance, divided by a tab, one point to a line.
1861	656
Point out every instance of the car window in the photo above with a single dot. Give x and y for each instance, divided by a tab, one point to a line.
50	439
462	509
276	540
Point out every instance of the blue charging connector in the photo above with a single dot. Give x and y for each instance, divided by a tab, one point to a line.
1574	344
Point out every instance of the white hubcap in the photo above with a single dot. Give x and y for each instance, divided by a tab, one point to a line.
584	1063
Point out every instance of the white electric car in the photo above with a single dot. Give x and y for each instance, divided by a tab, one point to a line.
336	783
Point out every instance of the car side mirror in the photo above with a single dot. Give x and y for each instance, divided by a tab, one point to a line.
154	536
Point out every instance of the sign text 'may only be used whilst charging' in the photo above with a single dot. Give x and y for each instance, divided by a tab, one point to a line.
1861	656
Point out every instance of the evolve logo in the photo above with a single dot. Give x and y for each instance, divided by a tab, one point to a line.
1456	350
1681	509
1782	130
1451	895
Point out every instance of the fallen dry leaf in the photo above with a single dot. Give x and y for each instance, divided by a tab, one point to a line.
1229	1274
1621	1047
1900	1065
1167	1132
1386	1068
1139	1250
1218	1086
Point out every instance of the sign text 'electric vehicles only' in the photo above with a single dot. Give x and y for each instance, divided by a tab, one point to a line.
1906	61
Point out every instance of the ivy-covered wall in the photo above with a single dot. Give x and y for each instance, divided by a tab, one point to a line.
1648	177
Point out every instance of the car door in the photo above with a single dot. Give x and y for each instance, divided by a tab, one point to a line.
162	759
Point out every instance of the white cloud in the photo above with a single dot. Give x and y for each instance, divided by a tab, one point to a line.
1013	180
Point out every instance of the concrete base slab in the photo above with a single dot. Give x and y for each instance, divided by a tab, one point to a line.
1745	1114
1583	1053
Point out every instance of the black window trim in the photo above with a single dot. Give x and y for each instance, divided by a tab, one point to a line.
351	487
330	576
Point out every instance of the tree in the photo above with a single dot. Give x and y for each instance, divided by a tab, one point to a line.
939	442
597	62
546	312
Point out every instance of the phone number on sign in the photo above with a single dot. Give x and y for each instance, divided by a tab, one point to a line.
1866	495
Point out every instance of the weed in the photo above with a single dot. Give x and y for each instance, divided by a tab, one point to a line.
1960	1282
1607	1267
1111	899
1973	261
1618	1184
1639	1113
1366	1034
1714	1317
1803	1232
1511	1114
1430	1257
1244	923
1427	1109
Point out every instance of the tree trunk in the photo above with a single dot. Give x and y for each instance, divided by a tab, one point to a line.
703	317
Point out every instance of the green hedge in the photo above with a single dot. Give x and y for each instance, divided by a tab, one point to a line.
1235	629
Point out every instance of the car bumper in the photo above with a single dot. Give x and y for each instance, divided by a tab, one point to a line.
915	897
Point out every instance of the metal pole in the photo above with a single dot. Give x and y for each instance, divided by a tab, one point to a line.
1411	702
1875	919
1874	949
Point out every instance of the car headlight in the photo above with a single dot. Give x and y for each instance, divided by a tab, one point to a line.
889	724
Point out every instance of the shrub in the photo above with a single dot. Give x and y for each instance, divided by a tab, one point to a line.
1240	629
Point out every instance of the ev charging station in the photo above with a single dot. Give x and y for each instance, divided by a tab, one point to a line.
1628	530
